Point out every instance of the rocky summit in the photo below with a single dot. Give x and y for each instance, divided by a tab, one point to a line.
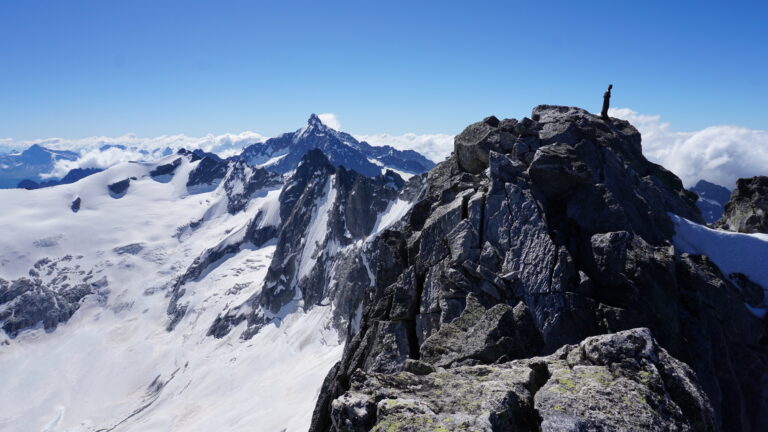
535	285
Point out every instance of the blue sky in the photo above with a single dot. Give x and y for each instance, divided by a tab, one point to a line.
79	68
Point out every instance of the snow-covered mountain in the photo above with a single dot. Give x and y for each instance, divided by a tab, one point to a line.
283	153
133	299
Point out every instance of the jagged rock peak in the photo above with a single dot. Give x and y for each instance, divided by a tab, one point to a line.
314	121
747	210
281	154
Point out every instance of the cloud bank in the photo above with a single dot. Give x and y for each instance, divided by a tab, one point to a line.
103	152
330	120
719	154
434	146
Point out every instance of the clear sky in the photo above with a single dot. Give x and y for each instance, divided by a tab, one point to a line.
84	68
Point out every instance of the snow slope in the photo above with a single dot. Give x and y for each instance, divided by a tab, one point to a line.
731	252
113	365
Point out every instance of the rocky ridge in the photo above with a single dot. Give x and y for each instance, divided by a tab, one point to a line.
534	235
326	215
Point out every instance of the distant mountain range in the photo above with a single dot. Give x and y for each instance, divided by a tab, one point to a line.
280	155
30	164
712	199
71	177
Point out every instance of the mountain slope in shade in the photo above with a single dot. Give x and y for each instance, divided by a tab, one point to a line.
712	199
282	154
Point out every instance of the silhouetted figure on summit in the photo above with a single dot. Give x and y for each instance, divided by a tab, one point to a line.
606	102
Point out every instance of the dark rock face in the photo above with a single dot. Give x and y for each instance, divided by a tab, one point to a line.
747	211
243	181
119	189
166	169
560	233
241	184
480	336
618	382
49	296
75	207
324	213
324	210
208	173
282	154
712	199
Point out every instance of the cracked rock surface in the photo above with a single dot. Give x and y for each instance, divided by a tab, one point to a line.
617	382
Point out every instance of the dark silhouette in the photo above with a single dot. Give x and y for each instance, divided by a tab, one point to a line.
606	102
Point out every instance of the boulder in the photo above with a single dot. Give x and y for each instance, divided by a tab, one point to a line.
747	210
473	144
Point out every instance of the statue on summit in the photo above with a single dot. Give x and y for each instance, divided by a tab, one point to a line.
606	102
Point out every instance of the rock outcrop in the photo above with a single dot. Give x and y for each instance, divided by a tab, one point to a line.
50	295
534	235
120	188
208	172
747	211
617	382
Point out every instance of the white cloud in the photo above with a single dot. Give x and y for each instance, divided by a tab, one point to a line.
434	146
330	120
720	154
136	148
213	143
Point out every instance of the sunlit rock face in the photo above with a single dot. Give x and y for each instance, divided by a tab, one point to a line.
747	210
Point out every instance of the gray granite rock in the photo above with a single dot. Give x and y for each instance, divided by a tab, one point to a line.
747	210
